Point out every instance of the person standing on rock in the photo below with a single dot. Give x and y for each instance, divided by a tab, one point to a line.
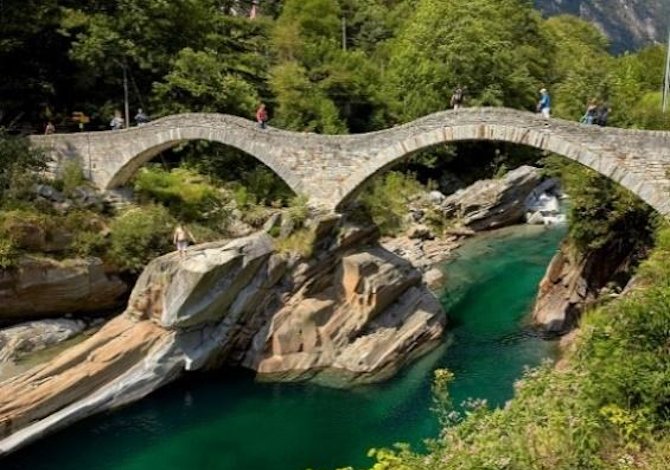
544	105
262	116
181	237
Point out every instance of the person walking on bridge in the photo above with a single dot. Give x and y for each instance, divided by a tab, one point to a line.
590	115
458	98
117	121
602	114
262	116
544	105
141	118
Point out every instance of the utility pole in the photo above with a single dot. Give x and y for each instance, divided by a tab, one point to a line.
125	93
666	82
344	33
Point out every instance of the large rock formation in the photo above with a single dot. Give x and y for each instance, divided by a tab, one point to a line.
573	281
562	295
496	203
347	314
123	362
358	321
42	287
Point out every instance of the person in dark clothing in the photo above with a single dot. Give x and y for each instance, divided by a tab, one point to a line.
262	116
590	115
458	98
602	114
141	118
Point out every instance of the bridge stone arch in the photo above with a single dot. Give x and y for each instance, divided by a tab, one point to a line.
111	158
331	169
624	156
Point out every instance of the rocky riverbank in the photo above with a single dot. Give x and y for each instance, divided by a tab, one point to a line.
353	313
40	287
575	281
350	311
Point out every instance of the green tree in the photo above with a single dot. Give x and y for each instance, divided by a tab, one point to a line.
37	77
301	104
494	48
635	83
201	81
16	159
580	67
200	57
336	90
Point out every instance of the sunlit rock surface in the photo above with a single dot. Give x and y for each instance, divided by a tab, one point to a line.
349	313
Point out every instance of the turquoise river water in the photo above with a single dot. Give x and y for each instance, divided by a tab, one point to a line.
226	421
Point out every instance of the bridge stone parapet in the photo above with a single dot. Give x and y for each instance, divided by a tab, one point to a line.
330	169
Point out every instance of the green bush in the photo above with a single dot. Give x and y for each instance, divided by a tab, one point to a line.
255	215
266	186
17	157
91	244
386	200
203	233
10	219
187	195
139	235
298	210
601	212
300	242
71	177
8	253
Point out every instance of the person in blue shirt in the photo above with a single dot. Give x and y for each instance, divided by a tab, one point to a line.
544	106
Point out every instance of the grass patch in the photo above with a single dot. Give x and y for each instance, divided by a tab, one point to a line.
300	242
188	195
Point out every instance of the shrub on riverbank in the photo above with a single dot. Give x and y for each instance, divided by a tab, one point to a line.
606	407
139	235
386	200
601	212
188	195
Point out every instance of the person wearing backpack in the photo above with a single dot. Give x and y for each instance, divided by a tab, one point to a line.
602	115
457	98
590	115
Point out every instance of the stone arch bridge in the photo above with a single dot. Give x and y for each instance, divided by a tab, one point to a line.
329	169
